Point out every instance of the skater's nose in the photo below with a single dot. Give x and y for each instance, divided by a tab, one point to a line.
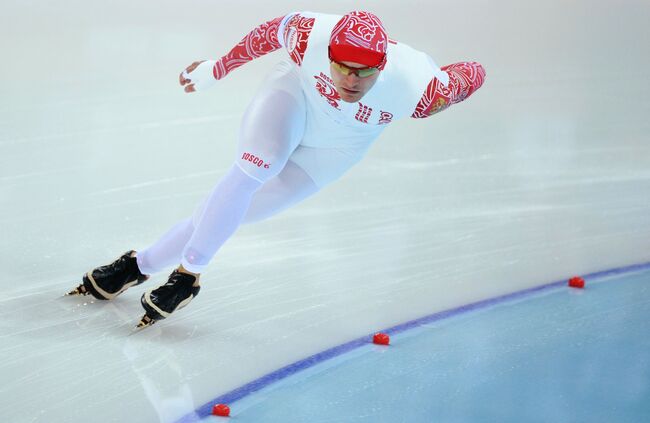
352	80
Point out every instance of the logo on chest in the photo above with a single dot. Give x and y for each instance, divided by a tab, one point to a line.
385	117
365	113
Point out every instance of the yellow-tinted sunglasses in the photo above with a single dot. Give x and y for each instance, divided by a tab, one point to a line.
360	72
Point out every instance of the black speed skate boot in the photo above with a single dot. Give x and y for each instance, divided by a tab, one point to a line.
180	289
107	282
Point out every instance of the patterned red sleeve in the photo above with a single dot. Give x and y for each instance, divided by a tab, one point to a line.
296	34
260	41
464	79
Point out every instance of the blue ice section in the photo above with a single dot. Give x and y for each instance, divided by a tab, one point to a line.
558	355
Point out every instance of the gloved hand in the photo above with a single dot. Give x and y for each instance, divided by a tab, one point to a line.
198	76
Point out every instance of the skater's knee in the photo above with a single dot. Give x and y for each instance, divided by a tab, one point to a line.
195	261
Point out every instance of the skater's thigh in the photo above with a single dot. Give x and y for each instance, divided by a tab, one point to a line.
289	187
272	126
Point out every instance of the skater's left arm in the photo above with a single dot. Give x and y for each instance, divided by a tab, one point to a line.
464	79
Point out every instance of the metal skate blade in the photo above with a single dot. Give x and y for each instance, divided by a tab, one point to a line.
80	290
145	322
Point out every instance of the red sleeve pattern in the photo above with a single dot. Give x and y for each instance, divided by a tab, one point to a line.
296	34
464	79
260	41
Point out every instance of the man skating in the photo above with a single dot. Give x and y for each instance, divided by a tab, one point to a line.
315	116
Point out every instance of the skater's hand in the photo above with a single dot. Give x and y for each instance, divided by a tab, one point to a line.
198	76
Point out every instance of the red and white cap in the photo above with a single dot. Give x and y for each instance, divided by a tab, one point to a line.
359	37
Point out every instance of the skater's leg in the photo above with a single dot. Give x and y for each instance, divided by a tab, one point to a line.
266	135
222	214
271	130
224	209
167	250
291	186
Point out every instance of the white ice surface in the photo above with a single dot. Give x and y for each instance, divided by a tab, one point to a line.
543	173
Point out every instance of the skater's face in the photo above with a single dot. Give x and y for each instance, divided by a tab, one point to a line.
352	80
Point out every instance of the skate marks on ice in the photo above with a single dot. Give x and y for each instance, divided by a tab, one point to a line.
76	343
120	317
48	317
51	315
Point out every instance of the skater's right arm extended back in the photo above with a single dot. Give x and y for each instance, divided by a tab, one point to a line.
262	40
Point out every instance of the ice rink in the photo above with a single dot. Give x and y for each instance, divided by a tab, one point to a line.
542	174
